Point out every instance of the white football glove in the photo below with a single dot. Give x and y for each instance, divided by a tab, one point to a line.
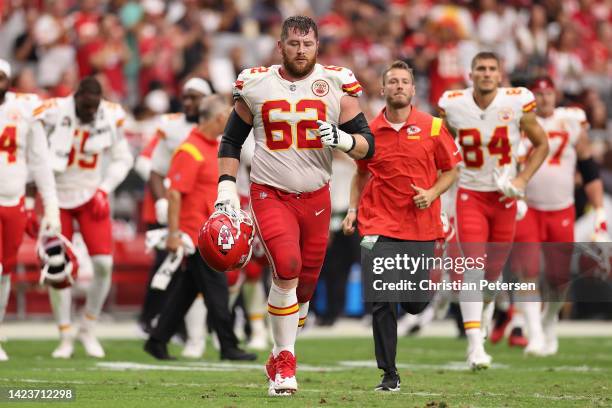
600	231
503	180
521	209
50	223
335	138
227	196
161	211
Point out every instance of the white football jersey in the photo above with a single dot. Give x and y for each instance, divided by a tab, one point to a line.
87	171
15	123
552	186
172	129
288	151
488	138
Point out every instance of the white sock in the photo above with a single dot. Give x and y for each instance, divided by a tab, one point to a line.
234	291
254	299
472	316
426	316
195	319
551	311
470	303
61	304
283	310
533	317
303	314
100	285
5	292
487	317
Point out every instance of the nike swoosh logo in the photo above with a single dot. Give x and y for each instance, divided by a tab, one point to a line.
319	212
456	153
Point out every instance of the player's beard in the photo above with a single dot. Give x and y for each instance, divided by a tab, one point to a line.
191	118
294	70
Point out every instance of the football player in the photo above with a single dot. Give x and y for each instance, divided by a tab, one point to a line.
83	131
551	211
300	111
488	120
23	148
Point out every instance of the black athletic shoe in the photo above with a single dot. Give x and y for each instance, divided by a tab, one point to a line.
157	349
390	382
237	354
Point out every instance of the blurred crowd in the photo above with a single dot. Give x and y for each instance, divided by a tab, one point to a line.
143	51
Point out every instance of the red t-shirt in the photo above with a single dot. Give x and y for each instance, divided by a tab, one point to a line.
412	155
194	173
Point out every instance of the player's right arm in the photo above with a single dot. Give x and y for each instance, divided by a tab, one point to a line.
360	178
236	131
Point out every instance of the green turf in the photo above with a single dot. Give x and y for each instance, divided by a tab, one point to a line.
580	376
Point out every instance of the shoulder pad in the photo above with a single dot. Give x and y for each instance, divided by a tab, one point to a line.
344	79
246	78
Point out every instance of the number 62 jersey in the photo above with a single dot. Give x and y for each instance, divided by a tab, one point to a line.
288	152
489	138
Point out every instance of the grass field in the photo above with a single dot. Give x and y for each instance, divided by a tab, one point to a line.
333	372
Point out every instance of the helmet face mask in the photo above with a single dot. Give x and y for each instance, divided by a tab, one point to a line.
225	240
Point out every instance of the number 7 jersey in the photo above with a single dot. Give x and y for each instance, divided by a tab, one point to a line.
489	138
288	152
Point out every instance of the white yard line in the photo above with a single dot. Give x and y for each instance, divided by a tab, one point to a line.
344	328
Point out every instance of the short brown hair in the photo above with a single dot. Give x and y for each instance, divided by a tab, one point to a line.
398	64
486	55
301	24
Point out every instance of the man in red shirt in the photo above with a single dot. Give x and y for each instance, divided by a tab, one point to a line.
193	178
397	191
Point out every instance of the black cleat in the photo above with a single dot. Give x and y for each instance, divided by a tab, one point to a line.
390	382
157	349
237	354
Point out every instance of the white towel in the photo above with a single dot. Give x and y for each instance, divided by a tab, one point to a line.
157	239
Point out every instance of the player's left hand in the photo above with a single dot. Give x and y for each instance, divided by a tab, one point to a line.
99	206
335	138
423	198
600	231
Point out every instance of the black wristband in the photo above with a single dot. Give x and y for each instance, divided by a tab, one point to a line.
224	177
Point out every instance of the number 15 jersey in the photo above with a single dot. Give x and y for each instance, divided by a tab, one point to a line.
488	138
288	152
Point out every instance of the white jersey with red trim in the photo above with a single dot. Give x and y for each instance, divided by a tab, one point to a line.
15	140
288	152
488	138
552	186
96	155
171	130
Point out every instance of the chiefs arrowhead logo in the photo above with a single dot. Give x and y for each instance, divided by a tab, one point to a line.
225	240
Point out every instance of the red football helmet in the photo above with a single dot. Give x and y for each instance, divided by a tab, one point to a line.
59	261
225	240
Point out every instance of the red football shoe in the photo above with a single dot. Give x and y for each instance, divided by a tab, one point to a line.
284	381
501	323
517	339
